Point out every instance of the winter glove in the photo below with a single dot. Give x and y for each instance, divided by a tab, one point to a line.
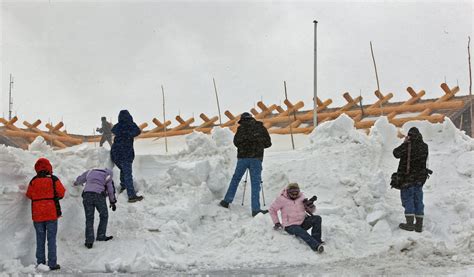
277	226
112	205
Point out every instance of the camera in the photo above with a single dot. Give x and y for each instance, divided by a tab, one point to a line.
310	201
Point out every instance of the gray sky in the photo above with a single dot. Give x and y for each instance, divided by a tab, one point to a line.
79	60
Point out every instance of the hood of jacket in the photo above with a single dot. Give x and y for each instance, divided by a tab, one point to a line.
43	164
125	117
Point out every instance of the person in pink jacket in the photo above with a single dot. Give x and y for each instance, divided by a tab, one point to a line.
297	216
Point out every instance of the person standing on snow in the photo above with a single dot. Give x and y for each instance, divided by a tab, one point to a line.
106	131
99	184
250	139
45	190
413	153
294	208
122	153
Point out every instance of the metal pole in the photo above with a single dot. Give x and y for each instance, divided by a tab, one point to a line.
315	78
10	102
217	98
289	119
164	118
245	185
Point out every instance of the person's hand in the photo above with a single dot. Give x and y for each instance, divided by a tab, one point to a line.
277	226
97	129
112	205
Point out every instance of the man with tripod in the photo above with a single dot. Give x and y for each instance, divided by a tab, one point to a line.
250	139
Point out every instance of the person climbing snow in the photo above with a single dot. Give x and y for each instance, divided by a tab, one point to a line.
98	185
45	190
297	216
250	139
122	153
413	154
106	131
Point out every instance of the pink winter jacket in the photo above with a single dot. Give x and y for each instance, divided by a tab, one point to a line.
292	211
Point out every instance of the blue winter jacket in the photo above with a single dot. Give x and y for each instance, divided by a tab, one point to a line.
125	131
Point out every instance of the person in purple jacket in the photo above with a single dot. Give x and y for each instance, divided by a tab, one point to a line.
98	185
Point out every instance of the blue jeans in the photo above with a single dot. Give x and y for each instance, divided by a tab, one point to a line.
412	199
300	231
255	168
126	177
92	201
46	229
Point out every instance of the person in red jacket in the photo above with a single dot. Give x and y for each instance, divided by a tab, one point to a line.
45	190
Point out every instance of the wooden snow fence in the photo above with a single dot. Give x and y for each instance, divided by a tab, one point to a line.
284	119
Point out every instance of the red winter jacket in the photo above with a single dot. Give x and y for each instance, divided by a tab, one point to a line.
41	192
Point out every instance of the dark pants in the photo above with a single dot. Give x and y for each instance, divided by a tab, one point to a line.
412	199
255	168
126	177
300	231
107	138
46	229
92	201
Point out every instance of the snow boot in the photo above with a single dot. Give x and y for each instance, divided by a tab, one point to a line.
224	204
419	224
409	226
135	198
106	238
254	213
56	267
320	248
88	245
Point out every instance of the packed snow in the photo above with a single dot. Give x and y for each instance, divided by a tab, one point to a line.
179	226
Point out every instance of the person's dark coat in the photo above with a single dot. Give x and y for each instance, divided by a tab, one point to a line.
251	138
125	131
416	172
106	128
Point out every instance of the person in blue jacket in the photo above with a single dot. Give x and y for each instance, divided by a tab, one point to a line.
122	152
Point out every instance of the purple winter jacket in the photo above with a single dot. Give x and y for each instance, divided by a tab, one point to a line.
98	181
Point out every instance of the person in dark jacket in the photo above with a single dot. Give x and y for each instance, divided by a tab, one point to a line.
122	152
413	153
45	190
106	131
250	139
99	184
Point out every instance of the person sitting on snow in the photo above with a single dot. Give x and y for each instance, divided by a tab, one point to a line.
99	184
250	139
297	216
45	190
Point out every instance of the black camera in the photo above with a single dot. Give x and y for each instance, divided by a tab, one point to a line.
311	200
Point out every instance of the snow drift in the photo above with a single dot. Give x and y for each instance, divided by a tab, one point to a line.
348	170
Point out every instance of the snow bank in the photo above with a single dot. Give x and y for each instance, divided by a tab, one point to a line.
180	227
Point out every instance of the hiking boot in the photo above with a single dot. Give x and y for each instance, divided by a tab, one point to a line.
254	213
135	198
105	239
224	204
55	267
88	245
419	224
409	226
320	248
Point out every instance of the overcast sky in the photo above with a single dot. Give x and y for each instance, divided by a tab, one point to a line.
79	60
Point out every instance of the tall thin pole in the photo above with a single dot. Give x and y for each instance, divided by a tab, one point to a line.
315	77
164	117
10	102
289	117
375	66
217	99
470	83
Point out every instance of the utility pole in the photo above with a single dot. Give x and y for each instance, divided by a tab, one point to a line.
315	78
10	101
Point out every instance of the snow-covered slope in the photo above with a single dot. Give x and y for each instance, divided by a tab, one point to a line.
348	170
